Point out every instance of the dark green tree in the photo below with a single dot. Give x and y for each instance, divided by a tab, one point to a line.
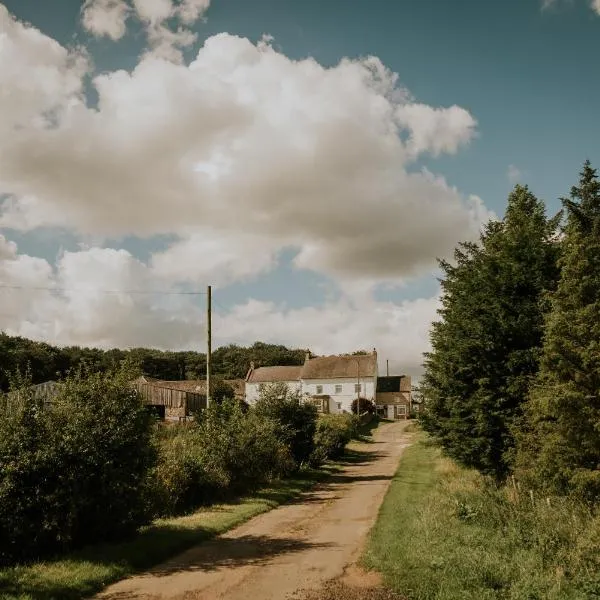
485	348
298	420
559	448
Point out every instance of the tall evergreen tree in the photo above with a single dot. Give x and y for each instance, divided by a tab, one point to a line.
485	348
560	448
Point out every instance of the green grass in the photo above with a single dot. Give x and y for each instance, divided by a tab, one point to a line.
445	533
86	572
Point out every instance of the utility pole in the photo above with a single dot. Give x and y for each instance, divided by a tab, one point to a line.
387	367
208	342
358	390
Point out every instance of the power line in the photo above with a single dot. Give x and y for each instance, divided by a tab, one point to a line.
100	291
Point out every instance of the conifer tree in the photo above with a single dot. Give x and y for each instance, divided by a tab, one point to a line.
485	348
560	447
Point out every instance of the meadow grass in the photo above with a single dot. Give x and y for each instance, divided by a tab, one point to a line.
446	533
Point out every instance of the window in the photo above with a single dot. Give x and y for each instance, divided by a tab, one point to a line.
338	388
357	388
319	389
339	405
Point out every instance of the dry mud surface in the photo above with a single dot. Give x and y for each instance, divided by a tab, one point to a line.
306	549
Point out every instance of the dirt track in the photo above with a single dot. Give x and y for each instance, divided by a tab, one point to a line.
290	550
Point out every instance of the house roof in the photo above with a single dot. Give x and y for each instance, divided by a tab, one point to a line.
272	374
393	383
342	366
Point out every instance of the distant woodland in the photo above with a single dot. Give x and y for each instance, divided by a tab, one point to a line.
46	362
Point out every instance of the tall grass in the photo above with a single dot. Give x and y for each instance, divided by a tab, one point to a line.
446	533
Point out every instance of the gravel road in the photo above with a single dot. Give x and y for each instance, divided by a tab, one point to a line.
293	552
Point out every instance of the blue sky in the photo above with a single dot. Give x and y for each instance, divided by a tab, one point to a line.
524	73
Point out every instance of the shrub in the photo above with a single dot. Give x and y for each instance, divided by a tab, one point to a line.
332	434
225	451
75	473
365	406
297	420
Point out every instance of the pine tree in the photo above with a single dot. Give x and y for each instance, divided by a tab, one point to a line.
560	447
485	348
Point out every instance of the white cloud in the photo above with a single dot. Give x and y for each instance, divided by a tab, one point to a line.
247	141
514	174
400	332
90	299
38	79
241	154
105	17
548	4
165	38
436	130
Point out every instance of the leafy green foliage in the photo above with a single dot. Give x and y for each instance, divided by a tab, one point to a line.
227	451
559	448
366	406
297	419
445	532
48	362
75	473
486	346
333	433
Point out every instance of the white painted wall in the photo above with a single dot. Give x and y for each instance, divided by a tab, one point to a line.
342	398
253	389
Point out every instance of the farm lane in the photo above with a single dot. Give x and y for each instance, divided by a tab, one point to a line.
283	553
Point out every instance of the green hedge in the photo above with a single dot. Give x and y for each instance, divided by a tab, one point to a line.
226	451
77	473
332	434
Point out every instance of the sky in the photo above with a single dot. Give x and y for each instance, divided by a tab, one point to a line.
310	160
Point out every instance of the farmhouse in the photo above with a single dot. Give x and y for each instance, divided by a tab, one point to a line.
257	378
331	382
393	398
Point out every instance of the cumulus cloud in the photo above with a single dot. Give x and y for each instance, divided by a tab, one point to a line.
93	297
99	297
38	78
595	4
105	18
245	141
165	39
241	154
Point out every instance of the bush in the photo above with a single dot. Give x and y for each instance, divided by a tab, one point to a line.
332	434
225	451
75	473
365	406
297	420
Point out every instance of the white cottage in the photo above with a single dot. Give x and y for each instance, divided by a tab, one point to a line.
343	378
333	381
257	378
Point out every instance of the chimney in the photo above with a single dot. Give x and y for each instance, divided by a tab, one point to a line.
252	365
375	351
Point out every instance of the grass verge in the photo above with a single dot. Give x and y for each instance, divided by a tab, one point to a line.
445	533
86	572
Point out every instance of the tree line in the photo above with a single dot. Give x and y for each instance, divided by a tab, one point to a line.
46	362
512	383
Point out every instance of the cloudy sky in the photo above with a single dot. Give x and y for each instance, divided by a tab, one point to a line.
309	159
